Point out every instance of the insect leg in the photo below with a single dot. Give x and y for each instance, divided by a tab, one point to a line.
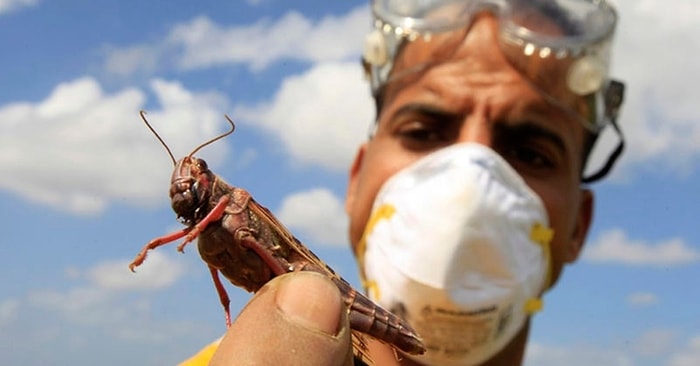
223	295
155	243
214	215
247	240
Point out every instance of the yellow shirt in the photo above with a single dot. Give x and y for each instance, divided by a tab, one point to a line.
204	355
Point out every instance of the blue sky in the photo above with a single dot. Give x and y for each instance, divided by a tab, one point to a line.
85	184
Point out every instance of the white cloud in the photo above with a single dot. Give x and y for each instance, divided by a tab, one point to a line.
132	59
80	305
545	355
614	246
689	356
106	280
321	116
158	271
659	118
8	311
656	50
652	347
202	43
317	213
80	148
71	272
655	343
104	301
156	333
642	299
120	317
7	6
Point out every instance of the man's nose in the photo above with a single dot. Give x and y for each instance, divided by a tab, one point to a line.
477	128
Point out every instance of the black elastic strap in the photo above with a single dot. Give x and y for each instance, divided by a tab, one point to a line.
613	100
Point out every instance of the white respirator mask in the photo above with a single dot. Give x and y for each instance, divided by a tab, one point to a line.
458	245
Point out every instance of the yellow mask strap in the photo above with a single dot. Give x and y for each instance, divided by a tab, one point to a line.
385	211
542	236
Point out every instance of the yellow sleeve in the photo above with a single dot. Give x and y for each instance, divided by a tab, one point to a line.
202	357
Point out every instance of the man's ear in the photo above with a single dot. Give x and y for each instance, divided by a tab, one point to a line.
582	225
353	178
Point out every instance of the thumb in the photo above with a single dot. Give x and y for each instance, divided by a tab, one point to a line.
296	319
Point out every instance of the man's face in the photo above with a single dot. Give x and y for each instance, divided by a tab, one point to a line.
474	95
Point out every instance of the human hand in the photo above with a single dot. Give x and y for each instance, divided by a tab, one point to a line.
295	319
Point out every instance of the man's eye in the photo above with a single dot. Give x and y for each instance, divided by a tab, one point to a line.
528	157
421	135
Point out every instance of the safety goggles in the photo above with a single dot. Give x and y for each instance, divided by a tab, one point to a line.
556	44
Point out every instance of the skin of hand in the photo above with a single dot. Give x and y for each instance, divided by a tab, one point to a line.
473	94
296	319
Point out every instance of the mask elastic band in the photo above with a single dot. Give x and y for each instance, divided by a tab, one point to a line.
543	235
384	212
533	305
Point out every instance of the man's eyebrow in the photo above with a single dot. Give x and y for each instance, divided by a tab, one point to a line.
528	130
427	110
520	131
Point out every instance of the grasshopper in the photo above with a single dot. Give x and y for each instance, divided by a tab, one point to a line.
245	242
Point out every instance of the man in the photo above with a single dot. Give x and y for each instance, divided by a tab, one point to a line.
472	79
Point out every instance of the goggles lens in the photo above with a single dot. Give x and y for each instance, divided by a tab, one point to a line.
578	20
557	44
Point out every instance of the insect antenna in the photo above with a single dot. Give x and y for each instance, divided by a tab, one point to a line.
143	117
233	127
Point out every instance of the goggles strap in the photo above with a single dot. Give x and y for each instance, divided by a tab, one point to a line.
613	101
611	159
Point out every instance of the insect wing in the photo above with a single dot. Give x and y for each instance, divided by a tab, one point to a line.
358	341
287	237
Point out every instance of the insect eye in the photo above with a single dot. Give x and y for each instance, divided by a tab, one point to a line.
202	164
194	190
